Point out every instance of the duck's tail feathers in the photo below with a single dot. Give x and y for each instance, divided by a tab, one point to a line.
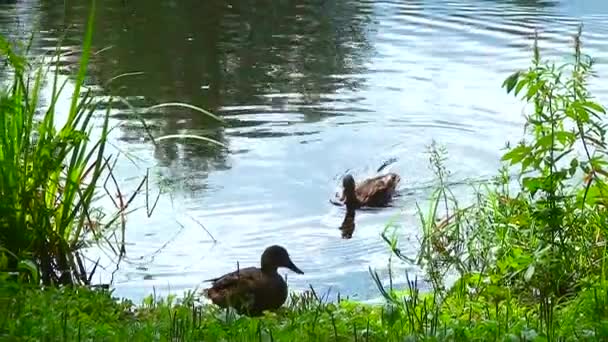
387	163
210	280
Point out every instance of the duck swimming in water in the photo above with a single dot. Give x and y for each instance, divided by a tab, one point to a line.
372	192
252	290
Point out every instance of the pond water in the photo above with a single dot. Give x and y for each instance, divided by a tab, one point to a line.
307	91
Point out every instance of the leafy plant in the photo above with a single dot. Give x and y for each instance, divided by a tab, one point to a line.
539	243
563	117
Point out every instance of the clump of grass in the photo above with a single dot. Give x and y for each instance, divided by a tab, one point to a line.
48	174
83	314
75	314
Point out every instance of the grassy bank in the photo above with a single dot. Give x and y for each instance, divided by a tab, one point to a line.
528	255
82	314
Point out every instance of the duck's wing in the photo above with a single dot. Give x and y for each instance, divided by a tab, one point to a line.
382	185
234	289
231	277
378	183
392	179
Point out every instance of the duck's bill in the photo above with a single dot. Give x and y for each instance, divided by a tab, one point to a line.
294	268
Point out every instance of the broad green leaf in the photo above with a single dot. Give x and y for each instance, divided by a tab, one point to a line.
520	85
516	154
545	142
594	106
511	81
533	184
533	90
566	138
577	112
574	163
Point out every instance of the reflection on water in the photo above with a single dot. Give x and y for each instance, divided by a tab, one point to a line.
348	225
308	90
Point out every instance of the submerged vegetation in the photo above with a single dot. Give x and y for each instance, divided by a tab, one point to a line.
524	261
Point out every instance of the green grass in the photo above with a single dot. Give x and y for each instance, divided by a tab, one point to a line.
528	257
81	314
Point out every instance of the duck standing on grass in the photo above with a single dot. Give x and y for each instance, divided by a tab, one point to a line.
252	290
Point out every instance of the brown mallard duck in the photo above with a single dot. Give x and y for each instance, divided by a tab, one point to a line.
372	192
252	290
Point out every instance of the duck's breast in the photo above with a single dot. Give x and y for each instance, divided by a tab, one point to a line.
272	292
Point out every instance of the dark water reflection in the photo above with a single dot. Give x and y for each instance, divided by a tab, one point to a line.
307	90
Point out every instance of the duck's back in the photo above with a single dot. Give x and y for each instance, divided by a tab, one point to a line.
377	191
249	290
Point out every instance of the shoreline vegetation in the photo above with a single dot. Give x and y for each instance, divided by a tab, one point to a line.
528	256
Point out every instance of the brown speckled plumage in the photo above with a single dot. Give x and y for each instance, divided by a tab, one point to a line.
372	192
252	290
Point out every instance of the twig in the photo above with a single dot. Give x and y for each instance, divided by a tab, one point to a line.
153	254
148	211
123	219
202	226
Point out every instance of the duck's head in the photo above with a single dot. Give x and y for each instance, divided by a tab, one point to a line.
277	256
348	183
